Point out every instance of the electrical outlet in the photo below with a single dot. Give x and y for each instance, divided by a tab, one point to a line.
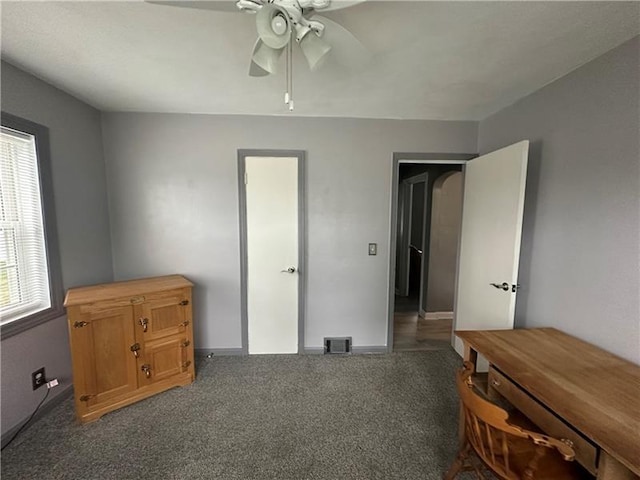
38	378
373	249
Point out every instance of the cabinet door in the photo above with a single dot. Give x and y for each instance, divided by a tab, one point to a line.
104	364
164	358
163	314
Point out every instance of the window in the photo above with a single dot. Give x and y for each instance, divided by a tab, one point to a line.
30	287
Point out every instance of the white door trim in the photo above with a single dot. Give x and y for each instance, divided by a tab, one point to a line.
404	158
302	239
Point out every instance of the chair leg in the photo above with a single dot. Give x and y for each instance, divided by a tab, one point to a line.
459	462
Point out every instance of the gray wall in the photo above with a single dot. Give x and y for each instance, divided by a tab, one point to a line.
174	208
83	230
446	221
579	264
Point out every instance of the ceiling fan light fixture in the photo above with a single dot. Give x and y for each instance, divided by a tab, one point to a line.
266	58
273	25
314	49
302	31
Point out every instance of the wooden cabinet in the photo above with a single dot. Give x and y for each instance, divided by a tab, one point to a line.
129	340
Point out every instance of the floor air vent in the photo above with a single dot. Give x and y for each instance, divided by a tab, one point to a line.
336	345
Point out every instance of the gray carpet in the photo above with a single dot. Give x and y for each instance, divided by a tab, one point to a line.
264	417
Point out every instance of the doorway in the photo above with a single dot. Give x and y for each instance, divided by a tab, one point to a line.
272	238
426	210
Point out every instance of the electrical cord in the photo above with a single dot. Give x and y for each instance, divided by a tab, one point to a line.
29	420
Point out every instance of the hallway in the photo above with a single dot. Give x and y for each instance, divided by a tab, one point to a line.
411	333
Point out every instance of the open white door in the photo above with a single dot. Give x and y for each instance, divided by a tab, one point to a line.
492	210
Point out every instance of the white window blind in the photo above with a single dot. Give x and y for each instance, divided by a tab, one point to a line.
24	278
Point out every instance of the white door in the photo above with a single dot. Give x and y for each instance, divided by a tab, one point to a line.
272	254
493	205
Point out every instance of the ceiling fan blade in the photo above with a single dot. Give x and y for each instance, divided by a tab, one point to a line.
338	4
347	49
256	70
216	5
265	58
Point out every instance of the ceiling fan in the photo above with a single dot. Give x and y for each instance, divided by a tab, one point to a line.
280	23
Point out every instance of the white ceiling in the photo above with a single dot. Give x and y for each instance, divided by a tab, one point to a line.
432	60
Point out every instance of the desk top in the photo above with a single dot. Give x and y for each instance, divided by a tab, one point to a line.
593	390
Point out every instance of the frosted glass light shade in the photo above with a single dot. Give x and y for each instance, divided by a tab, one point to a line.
273	26
315	50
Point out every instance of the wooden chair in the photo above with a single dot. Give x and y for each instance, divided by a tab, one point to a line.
510	451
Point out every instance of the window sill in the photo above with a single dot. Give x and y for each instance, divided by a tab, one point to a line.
30	321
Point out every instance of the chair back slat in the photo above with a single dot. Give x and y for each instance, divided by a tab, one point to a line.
490	442
505	450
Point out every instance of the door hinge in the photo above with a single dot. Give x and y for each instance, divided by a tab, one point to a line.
515	287
80	324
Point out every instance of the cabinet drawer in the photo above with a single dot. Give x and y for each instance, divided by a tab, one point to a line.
586	452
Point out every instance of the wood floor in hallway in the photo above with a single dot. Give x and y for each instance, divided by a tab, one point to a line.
411	333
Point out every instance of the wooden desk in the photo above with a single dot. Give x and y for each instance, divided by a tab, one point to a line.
591	393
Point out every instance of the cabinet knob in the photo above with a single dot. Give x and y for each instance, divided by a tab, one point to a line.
186	343
184	302
146	368
144	322
80	324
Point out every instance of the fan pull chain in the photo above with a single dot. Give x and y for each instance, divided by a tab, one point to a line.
286	74
288	96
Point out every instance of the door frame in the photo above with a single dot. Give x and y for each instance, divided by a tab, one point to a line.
410	158
302	239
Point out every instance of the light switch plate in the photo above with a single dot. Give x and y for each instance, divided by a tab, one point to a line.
373	249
